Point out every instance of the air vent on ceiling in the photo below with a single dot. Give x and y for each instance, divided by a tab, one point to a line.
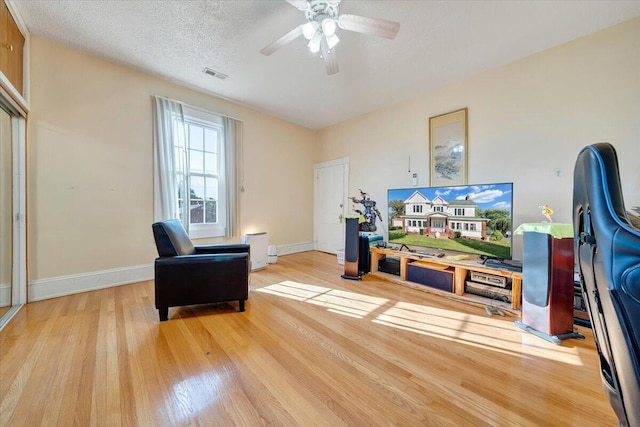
215	73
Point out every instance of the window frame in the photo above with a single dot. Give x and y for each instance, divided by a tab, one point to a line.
206	120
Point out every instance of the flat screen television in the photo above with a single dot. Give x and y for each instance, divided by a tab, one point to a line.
473	219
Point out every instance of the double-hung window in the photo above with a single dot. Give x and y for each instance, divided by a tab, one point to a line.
203	179
196	168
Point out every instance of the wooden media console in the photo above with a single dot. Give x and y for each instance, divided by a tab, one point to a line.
444	271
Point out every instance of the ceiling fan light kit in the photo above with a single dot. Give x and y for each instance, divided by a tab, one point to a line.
314	43
323	19
309	30
328	27
332	40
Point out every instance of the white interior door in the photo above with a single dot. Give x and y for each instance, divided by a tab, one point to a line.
330	201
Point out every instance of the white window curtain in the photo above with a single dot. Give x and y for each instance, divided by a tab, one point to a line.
233	172
170	160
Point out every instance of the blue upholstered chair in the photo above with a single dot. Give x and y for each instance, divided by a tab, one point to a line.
607	255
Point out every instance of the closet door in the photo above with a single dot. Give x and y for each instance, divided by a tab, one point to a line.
11	49
6	213
4	37
13	237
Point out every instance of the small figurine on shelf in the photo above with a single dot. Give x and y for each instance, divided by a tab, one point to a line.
370	211
547	212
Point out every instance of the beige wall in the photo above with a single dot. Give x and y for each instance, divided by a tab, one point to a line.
89	147
89	165
526	120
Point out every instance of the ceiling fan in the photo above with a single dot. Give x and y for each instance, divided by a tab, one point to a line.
323	19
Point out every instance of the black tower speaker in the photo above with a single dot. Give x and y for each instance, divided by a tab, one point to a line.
351	250
364	256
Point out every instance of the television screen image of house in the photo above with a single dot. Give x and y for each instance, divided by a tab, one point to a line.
474	219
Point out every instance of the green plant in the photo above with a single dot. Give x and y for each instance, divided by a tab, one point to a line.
499	219
397	208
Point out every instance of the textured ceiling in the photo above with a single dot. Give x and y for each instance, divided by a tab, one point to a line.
439	42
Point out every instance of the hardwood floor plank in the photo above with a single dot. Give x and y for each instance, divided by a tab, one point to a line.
26	382
352	370
276	375
105	396
281	345
311	349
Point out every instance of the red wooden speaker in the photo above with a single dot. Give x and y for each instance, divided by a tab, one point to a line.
547	283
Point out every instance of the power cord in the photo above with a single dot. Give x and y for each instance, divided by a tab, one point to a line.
491	309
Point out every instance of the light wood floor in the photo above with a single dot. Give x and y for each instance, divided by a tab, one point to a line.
312	349
4	310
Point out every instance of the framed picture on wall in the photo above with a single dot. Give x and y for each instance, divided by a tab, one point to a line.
448	148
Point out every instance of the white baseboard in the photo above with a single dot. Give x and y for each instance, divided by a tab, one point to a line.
296	247
53	287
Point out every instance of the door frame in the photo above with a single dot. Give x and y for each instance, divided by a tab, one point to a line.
19	293
344	161
19	232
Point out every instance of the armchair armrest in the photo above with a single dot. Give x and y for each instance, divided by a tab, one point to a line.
197	259
222	249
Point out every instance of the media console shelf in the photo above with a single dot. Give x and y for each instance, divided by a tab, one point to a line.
458	269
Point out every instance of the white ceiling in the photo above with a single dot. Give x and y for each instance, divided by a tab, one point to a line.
439	42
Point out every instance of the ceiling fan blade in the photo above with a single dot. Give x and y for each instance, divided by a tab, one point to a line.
329	56
372	26
300	4
282	41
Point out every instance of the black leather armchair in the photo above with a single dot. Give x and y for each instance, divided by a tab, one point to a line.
607	254
187	274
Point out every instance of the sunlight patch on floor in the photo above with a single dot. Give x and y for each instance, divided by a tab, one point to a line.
335	300
293	290
478	331
491	333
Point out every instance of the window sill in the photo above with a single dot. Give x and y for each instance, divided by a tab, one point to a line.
205	232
